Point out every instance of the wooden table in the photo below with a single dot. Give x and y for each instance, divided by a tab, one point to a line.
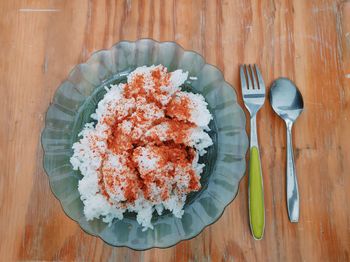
307	41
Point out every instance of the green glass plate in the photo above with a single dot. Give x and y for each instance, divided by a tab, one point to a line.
76	99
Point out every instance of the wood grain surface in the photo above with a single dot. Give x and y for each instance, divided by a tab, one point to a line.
307	41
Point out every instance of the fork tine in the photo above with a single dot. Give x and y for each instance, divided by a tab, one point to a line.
255	84
260	78
250	86
243	80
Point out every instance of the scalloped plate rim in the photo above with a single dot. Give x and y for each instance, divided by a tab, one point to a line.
243	164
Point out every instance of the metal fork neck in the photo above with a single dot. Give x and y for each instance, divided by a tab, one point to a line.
253	132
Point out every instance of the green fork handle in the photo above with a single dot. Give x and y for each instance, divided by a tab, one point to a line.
256	195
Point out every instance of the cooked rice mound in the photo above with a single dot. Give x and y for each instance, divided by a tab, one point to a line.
141	153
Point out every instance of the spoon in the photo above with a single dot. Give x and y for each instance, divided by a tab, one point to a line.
287	102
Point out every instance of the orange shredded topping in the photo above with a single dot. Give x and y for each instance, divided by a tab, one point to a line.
172	154
179	108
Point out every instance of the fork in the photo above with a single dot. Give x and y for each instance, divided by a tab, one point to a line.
254	98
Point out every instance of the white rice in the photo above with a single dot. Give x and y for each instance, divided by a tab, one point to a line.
88	151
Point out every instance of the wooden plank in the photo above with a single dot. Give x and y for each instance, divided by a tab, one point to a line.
307	41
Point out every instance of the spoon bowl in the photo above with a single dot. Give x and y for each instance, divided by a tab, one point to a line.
286	99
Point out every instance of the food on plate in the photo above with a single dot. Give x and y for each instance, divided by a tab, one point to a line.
141	152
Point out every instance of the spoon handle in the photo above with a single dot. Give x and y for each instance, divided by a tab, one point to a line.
292	183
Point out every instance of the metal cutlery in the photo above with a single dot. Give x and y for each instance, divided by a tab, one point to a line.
253	90
287	101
